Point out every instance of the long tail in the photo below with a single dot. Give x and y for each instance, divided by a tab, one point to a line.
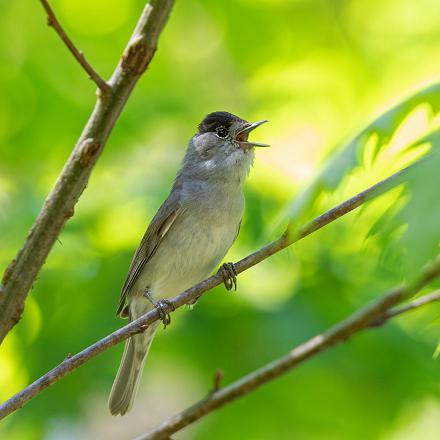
127	380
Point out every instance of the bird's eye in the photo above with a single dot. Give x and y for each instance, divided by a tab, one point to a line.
221	132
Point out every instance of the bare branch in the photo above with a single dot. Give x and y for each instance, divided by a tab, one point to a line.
59	204
380	309
413	305
140	324
79	56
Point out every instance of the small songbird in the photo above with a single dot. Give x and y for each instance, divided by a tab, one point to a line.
188	237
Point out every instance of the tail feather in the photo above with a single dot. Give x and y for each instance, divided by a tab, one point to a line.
127	380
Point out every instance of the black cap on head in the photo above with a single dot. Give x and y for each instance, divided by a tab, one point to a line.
218	119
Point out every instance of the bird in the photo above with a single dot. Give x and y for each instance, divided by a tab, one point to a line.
187	238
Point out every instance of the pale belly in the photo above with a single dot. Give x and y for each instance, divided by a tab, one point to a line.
186	258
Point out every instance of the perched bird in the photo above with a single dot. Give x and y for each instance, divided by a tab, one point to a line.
188	237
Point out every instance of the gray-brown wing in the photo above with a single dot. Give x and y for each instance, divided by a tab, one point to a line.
159	226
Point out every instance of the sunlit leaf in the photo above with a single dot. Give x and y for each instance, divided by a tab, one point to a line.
437	351
346	158
422	214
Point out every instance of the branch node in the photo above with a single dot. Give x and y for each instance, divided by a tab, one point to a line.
218	376
87	151
137	56
9	270
70	212
379	321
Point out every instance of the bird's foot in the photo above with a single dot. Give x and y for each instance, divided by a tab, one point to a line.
161	307
229	275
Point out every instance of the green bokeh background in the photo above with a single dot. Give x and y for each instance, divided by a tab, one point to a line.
318	70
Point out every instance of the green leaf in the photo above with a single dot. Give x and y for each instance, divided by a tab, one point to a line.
421	214
346	159
437	351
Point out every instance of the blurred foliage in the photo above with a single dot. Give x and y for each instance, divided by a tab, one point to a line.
318	70
368	144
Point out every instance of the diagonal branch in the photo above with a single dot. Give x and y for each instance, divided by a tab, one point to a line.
140	324
412	305
59	204
79	56
364	318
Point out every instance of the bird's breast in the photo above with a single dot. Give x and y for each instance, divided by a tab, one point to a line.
195	244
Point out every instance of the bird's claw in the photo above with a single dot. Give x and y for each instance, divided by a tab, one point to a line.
164	316
229	274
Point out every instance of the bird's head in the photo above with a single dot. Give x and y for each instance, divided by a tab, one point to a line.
221	145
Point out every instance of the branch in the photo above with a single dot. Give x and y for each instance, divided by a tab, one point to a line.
362	319
59	205
140	324
93	75
413	305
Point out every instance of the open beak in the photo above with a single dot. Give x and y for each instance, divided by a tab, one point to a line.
242	135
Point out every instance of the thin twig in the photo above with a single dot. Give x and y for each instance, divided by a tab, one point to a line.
413	305
218	376
358	321
79	56
186	297
59	205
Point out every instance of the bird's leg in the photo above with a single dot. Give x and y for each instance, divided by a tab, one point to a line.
229	275
161	306
163	315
